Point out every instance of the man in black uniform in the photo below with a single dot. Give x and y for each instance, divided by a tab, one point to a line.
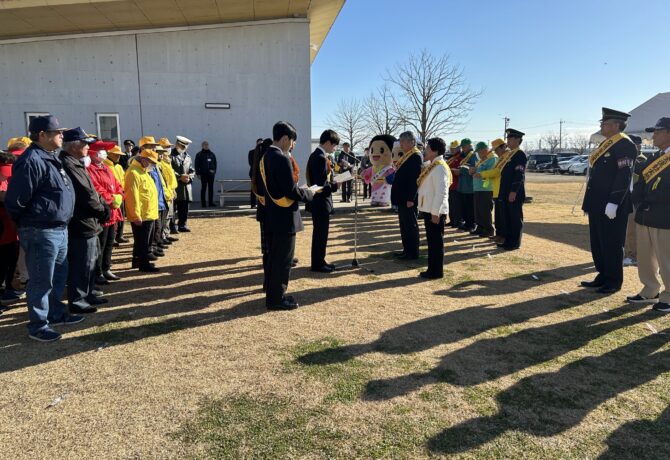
282	214
651	195
513	191
607	200
404	195
319	172
252	152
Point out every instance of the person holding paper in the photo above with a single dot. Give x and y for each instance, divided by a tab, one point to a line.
282	214
319	172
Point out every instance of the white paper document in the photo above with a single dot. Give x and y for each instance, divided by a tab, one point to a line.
339	178
314	188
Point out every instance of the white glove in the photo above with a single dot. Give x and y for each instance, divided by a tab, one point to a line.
610	210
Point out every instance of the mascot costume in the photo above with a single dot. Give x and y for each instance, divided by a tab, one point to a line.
381	173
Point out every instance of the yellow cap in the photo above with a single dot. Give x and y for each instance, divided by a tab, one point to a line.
150	155
15	140
116	150
147	140
165	142
454	145
159	148
497	143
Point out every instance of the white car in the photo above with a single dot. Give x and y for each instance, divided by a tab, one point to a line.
580	167
564	166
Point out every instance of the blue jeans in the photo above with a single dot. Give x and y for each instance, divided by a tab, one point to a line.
46	259
82	258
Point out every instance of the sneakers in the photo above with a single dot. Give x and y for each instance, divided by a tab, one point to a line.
45	335
639	299
629	262
11	295
662	307
68	320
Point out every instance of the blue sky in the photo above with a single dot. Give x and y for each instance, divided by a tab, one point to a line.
537	61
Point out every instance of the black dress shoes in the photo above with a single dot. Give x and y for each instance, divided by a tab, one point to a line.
149	268
152	257
82	310
184	230
93	300
285	305
429	276
592	284
322	269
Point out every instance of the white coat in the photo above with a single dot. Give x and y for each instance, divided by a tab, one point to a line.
434	191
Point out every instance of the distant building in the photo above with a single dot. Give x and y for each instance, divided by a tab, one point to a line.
217	70
643	116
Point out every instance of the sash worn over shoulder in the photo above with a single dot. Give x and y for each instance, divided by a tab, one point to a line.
505	158
467	158
406	157
424	174
656	167
283	201
380	175
605	146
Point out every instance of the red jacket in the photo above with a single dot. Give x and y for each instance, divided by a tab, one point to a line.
454	162
106	185
7	228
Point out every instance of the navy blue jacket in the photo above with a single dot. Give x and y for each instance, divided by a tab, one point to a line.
404	186
513	178
40	193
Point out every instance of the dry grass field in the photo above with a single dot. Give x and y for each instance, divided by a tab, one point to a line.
506	357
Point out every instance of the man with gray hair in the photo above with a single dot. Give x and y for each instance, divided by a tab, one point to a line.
90	211
404	195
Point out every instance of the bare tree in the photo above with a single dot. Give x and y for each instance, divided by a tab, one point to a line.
433	97
379	113
551	142
580	143
349	121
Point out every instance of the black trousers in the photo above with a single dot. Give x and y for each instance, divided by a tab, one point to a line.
346	190
409	230
106	238
207	187
435	238
367	190
252	199
266	256
182	213
468	209
9	256
455	208
512	217
281	247
483	206
321	223
499	222
607	245
157	231
119	225
142	241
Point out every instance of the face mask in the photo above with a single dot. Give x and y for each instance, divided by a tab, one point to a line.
102	155
86	161
180	150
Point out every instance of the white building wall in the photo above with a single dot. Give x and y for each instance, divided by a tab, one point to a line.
262	70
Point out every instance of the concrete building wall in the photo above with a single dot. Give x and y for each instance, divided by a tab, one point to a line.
158	82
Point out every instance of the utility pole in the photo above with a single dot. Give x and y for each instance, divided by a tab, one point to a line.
560	135
506	126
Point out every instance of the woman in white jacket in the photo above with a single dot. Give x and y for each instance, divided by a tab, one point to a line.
433	185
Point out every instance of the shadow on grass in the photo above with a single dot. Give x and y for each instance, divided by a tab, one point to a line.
550	403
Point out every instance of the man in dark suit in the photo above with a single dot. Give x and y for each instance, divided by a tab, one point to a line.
607	200
282	214
347	162
252	195
404	195
512	192
319	172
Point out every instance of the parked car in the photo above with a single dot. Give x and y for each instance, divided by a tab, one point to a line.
536	159
564	165
550	167
580	167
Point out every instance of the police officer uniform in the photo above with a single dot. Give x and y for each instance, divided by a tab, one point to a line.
607	202
282	222
512	180
319	172
651	196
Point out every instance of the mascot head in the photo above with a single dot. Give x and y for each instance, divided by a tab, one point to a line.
381	150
